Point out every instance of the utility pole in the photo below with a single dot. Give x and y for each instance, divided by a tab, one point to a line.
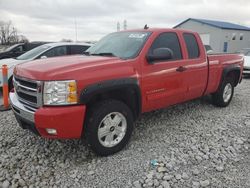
118	26
125	25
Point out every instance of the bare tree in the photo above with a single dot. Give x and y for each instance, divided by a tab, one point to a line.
23	39
8	33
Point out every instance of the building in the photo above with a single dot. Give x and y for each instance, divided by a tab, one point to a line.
221	36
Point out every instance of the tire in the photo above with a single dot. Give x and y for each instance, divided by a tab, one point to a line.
224	95
109	127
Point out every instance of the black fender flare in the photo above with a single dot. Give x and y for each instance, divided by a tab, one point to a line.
228	69
110	85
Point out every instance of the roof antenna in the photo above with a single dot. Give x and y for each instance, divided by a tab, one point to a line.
146	26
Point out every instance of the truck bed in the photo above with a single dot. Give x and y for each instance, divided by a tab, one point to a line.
216	63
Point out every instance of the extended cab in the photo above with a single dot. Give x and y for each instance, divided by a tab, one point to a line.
101	94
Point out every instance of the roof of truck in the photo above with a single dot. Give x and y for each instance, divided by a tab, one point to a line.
157	30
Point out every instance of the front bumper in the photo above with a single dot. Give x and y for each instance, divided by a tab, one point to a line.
66	120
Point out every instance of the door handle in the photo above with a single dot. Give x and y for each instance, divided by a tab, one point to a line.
181	69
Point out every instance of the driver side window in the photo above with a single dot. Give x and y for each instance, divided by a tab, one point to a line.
57	51
168	40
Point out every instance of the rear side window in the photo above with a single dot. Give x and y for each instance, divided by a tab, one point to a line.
57	51
168	40
192	45
77	49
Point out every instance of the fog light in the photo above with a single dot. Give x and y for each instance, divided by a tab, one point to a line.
51	131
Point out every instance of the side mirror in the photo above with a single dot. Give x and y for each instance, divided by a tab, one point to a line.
160	54
43	57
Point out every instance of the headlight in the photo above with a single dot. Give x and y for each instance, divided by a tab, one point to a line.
60	92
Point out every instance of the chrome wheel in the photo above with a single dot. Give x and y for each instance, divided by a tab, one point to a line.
112	129
227	93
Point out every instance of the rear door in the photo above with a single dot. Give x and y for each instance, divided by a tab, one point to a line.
195	63
162	84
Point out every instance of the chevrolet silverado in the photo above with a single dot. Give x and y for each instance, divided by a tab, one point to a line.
99	95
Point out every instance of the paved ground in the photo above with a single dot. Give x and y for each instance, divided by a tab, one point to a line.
193	145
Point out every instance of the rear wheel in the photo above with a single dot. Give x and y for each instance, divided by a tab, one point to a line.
224	95
109	127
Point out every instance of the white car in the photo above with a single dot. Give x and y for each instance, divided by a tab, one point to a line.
246	69
40	52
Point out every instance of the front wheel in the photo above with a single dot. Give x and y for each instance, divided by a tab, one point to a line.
224	95
109	127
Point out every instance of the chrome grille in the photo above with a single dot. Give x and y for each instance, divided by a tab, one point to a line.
29	92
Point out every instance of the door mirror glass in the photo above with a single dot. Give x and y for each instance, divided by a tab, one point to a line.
43	57
160	54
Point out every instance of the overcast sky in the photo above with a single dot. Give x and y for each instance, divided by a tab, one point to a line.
52	20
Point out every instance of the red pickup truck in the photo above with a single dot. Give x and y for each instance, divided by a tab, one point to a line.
99	95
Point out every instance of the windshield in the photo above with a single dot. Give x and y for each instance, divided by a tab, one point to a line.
125	45
33	53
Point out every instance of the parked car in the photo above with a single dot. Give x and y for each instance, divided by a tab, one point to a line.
246	69
19	49
209	49
41	52
123	75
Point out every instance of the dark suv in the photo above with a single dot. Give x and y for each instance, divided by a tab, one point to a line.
19	49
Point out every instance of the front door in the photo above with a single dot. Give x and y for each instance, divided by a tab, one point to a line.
162	81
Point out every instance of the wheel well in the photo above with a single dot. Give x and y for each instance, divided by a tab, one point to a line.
129	96
235	74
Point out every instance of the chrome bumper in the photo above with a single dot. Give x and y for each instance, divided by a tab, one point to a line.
19	109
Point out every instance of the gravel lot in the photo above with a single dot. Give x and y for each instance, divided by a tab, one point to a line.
192	145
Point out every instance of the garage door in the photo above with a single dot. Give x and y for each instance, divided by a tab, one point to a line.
205	38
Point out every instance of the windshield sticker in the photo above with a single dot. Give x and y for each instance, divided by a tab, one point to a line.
137	35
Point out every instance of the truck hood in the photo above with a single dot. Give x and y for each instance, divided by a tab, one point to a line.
10	62
71	67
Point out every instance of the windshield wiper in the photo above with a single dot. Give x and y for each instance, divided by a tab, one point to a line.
104	54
